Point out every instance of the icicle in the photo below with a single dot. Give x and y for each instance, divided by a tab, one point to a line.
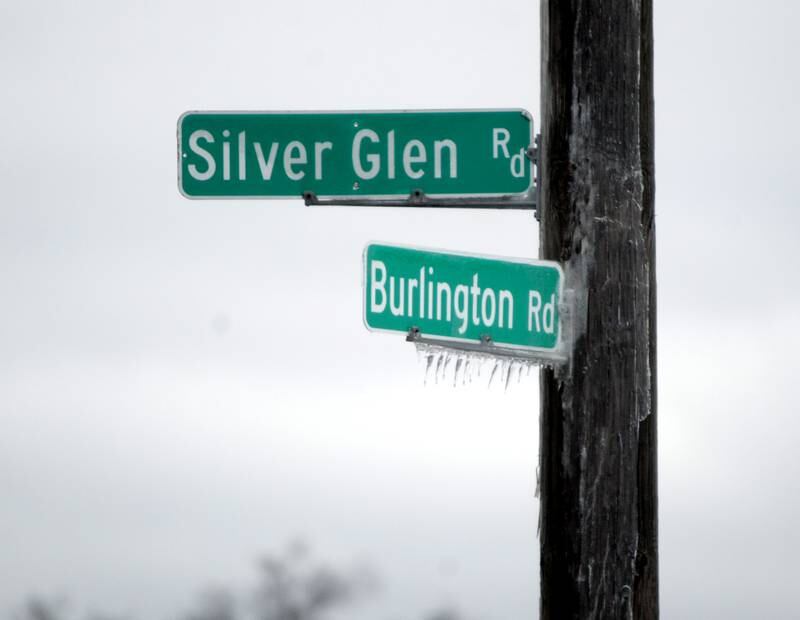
428	364
494	372
439	363
459	363
508	368
467	366
448	358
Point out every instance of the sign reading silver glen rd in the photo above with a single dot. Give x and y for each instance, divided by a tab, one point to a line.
356	155
510	302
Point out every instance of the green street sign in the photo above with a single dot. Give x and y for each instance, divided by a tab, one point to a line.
355	155
509	302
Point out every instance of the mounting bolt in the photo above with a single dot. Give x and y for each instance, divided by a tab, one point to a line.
413	334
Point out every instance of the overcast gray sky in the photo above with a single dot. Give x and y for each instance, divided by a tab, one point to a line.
165	418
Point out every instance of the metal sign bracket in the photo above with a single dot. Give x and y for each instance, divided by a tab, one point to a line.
418	198
487	347
534	154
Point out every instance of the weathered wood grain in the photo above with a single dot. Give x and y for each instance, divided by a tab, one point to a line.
599	543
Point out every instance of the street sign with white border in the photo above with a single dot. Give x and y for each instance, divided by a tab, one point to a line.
357	155
512	303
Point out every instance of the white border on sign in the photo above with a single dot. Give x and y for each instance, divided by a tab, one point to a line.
501	259
376	197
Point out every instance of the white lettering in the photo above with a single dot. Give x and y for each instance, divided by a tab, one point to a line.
396	308
518	164
488	317
412	284
508	298
377	286
373	159
242	159
211	165
409	158
319	149
534	305
475	290
438	147
390	153
266	167
422	292
500	138
441	288
462	308
290	160
430	294
548	320
226	157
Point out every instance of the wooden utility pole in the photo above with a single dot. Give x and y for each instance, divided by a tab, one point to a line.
599	522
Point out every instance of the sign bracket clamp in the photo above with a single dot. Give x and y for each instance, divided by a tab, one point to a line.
486	346
533	153
418	198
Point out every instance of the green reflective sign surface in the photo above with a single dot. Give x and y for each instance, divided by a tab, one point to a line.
468	153
463	297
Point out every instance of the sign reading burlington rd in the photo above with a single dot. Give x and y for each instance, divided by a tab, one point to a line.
463	297
365	155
